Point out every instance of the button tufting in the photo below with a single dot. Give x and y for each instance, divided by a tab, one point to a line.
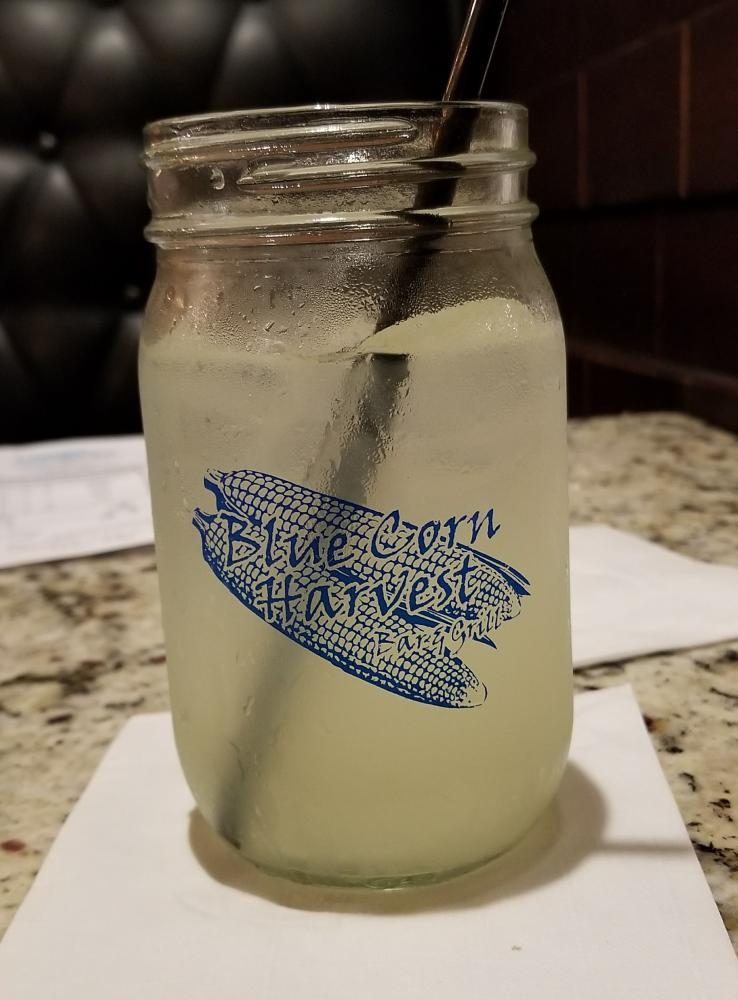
47	144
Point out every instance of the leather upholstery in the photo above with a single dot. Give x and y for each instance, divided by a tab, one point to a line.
78	80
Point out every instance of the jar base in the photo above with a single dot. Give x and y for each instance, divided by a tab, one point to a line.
377	882
224	859
529	843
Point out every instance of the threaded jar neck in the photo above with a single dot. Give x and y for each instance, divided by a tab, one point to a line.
332	173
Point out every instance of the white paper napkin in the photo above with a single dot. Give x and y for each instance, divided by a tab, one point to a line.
604	901
63	499
630	597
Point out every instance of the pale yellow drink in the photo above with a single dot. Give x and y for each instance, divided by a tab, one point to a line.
310	770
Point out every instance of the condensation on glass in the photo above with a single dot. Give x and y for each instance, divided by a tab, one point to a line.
352	377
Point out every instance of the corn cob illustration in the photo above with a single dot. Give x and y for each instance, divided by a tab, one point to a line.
377	596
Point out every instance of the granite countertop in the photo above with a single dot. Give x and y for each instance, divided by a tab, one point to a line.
81	649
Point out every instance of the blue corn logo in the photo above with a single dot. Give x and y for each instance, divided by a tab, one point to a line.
387	601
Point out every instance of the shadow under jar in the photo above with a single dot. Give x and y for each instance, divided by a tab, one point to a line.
352	379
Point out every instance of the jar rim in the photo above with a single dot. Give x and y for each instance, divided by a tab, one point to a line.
166	129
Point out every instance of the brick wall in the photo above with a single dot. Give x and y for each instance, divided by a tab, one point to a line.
634	117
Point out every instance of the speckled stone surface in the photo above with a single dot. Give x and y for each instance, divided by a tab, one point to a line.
81	650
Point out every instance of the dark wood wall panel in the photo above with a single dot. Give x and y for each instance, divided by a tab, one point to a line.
634	118
713	113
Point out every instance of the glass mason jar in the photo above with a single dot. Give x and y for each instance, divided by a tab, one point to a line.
352	378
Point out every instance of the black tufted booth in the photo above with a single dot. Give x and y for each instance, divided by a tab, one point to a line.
78	80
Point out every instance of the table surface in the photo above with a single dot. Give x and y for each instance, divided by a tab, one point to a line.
81	649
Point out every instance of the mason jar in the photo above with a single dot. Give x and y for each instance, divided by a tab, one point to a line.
353	390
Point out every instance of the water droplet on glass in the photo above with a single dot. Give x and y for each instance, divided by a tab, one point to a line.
268	326
217	179
169	294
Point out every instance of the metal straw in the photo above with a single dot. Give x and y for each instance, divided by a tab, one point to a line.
475	49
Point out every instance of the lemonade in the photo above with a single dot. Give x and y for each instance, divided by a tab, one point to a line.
369	660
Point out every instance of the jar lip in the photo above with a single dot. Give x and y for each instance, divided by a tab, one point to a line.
165	130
